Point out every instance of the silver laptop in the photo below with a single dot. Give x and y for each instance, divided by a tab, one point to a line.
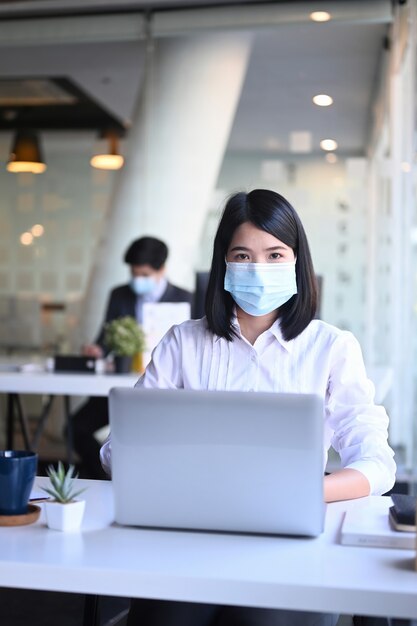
218	460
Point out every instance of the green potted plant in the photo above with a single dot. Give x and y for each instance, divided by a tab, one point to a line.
64	511
125	339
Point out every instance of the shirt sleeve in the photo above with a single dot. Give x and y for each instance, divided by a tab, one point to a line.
360	428
163	372
105	455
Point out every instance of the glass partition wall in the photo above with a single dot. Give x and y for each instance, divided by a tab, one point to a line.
392	249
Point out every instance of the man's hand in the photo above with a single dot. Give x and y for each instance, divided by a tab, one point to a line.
92	349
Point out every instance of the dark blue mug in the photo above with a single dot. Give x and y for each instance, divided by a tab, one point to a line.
17	475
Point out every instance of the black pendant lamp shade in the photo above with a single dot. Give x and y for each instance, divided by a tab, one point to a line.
26	154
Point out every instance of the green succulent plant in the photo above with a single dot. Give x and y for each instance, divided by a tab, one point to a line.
124	336
62	487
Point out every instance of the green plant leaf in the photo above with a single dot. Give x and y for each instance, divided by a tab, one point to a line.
124	336
62	487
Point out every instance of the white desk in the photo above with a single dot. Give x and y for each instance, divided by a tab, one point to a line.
60	383
304	574
74	384
65	384
52	384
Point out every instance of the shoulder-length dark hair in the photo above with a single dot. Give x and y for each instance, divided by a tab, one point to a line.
272	213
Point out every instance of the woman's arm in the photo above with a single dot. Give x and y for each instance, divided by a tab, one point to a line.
164	369
360	428
345	484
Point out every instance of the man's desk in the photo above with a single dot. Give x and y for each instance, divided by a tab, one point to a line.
53	384
262	571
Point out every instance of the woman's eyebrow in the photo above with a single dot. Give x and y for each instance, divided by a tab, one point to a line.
249	249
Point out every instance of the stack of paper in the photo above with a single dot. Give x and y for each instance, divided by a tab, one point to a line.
367	524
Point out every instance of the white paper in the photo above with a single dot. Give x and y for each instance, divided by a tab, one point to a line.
368	525
158	317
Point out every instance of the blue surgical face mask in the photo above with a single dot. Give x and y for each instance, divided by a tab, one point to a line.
142	285
260	288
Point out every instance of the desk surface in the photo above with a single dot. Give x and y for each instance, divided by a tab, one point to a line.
305	574
64	383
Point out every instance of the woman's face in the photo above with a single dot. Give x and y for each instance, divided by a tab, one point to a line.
252	245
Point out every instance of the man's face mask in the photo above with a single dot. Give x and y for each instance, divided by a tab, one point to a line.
142	285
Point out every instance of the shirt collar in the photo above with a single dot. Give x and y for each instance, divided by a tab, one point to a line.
275	330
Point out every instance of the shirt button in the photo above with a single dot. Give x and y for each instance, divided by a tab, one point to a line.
253	358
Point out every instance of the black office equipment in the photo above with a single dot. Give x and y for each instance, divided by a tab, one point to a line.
74	363
403	513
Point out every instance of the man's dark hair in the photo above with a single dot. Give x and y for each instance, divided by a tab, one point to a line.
147	251
272	213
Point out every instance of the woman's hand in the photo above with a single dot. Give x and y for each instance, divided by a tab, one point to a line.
345	484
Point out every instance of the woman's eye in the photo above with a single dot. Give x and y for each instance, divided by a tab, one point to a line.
275	255
242	256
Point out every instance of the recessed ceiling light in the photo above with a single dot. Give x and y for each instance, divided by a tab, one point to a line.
328	144
323	100
331	158
26	239
37	230
405	166
320	16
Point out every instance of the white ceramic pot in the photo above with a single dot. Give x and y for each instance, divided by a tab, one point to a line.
64	517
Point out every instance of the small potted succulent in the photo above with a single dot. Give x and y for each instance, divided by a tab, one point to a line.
125	338
63	512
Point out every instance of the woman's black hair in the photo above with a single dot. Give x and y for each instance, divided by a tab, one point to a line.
272	213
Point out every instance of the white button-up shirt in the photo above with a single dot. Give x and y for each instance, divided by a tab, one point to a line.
322	360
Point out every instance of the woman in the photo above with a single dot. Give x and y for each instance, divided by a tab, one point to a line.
259	334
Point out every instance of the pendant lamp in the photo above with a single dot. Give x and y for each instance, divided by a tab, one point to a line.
110	160
26	154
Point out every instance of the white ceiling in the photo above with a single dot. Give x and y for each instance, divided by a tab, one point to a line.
289	64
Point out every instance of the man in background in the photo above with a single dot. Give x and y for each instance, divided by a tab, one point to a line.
148	283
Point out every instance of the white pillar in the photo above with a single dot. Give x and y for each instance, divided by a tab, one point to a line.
176	145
